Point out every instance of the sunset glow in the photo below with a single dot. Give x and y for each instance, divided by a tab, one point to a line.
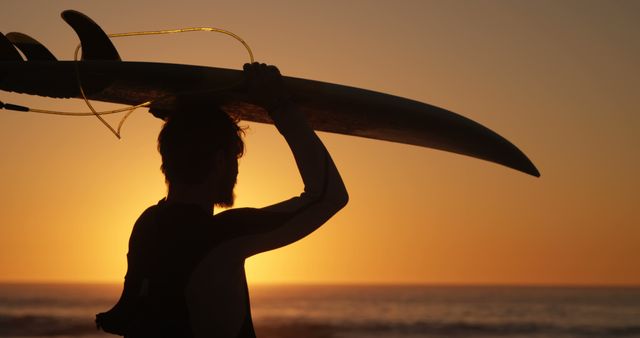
557	78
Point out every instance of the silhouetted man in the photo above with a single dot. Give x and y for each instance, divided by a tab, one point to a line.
185	274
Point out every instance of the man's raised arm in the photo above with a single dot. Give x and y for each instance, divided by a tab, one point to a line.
324	192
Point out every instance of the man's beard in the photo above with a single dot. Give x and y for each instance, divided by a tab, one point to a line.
226	201
227	196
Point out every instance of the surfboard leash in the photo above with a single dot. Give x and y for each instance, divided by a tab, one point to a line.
129	109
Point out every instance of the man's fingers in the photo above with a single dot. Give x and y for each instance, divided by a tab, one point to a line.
274	78
251	67
265	85
260	68
273	69
253	74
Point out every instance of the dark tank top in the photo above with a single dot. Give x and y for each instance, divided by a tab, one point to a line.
166	244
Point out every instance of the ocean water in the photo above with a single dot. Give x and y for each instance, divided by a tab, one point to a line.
39	310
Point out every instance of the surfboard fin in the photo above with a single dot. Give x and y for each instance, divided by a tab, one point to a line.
96	45
8	51
30	47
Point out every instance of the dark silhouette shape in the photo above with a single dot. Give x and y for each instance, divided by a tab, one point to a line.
185	274
330	107
30	47
8	51
96	45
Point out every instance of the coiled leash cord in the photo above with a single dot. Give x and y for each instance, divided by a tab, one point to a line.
128	109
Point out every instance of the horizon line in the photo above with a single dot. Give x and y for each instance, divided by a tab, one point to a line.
355	284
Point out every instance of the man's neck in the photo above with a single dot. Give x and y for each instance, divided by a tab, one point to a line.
185	194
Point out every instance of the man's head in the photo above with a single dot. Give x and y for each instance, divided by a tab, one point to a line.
200	148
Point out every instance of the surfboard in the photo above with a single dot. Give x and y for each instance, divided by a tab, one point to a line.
329	107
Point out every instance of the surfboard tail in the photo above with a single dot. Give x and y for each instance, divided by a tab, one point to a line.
96	44
30	47
8	51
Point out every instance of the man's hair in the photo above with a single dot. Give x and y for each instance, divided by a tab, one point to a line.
190	141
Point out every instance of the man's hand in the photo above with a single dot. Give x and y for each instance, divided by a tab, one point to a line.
265	86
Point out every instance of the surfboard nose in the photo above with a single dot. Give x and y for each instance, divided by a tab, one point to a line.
506	153
525	165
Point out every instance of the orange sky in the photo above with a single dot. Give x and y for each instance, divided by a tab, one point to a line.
557	78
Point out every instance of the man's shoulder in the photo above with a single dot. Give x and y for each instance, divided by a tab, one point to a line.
247	221
144	222
236	212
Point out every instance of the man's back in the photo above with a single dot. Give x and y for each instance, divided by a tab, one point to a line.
167	243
